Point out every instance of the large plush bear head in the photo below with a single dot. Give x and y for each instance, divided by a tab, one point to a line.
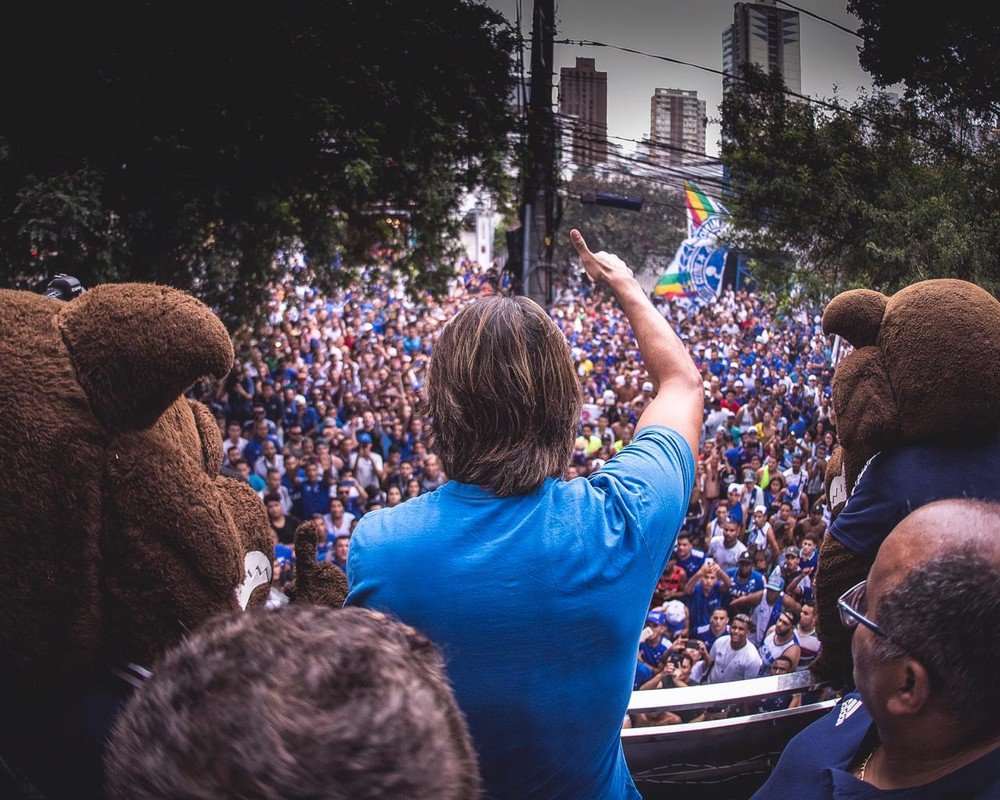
926	366
119	534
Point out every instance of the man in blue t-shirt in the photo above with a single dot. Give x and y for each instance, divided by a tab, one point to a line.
923	723
744	579
689	558
706	591
549	560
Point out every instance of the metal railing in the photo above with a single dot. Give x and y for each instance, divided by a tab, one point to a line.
717	759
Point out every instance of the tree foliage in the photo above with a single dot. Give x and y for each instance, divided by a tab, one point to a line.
192	144
948	59
873	194
651	235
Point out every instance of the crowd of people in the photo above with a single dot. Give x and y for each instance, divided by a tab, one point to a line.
322	416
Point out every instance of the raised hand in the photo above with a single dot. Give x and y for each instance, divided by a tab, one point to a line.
600	267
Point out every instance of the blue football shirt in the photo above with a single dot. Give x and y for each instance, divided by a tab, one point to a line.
537	603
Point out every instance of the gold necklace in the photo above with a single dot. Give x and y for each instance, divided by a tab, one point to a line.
864	765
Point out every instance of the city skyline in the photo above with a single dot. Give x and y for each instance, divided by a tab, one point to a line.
688	30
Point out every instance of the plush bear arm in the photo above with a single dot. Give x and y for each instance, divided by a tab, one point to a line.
315	583
855	315
839	569
867	414
211	437
137	347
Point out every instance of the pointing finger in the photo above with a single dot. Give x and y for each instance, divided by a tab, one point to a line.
581	246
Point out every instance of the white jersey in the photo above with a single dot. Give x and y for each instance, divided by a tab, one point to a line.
733	665
726	557
761	616
809	642
769	650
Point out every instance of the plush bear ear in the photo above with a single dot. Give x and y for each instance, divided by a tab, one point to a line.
855	315
137	347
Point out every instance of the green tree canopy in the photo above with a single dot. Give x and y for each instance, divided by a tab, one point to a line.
634	236
873	194
948	59
190	143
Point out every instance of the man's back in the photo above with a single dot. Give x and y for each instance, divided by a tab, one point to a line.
537	603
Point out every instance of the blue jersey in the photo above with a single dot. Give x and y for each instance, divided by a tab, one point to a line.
816	764
692	563
574	560
315	499
739	587
702	606
899	481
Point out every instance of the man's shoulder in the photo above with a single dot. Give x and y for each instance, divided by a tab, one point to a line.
828	743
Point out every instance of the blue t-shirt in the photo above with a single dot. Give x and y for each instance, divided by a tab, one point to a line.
900	481
692	563
816	761
501	584
702	605
739	587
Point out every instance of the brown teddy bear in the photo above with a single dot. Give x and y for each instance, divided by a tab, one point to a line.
119	534
917	410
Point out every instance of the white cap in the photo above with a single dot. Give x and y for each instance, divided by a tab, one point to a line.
760	509
647	386
734	487
609	395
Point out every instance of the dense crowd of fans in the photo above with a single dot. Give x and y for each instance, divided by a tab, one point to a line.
321	415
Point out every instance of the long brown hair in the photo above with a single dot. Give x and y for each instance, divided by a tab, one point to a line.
503	398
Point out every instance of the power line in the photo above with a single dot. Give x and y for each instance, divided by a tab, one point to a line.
821	19
947	149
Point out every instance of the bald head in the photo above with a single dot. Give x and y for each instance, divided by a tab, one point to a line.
936	530
934	590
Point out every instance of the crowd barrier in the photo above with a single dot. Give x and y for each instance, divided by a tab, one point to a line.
718	759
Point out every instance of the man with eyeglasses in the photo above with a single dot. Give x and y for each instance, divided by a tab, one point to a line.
923	722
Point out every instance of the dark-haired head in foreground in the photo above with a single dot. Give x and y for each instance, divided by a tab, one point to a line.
305	702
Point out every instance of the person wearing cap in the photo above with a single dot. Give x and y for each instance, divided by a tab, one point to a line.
504	401
744	579
751	495
765	606
368	466
655	644
734	496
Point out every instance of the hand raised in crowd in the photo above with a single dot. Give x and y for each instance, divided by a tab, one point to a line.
600	267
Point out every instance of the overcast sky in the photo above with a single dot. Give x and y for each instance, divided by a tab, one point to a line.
689	30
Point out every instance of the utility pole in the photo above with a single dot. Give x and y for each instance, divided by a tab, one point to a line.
539	174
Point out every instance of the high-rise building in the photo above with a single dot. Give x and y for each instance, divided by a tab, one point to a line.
583	97
677	120
765	35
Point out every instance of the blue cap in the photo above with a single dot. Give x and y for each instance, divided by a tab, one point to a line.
656	617
364	438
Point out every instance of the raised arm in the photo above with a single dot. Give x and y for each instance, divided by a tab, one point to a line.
680	399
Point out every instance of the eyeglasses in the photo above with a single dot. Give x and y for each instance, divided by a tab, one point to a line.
853	605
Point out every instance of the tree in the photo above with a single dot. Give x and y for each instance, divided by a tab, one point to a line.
174	145
636	236
948	60
874	194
